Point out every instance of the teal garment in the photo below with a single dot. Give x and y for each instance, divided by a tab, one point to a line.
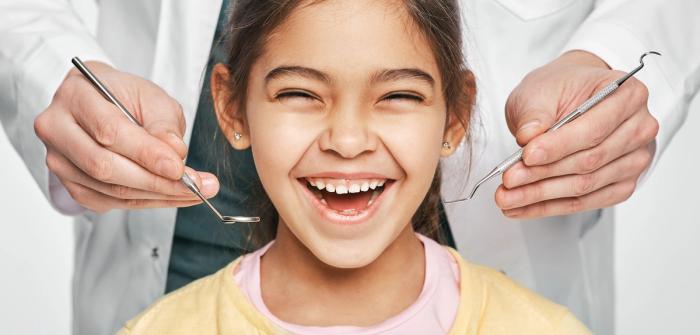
201	244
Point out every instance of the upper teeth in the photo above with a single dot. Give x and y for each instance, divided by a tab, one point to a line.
343	186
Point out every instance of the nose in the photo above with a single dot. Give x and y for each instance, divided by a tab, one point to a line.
348	133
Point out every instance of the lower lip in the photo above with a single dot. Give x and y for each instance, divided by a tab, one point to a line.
334	217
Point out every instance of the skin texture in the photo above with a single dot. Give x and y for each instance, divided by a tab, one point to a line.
104	160
593	162
319	272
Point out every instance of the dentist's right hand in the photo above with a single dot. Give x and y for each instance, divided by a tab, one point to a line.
105	161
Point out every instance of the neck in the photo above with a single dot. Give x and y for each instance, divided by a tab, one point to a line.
299	288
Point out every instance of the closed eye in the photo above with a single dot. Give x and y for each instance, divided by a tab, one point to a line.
399	96
295	94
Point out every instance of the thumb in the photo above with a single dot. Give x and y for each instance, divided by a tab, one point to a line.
528	118
166	121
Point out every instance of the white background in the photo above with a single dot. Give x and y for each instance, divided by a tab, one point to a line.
657	245
657	249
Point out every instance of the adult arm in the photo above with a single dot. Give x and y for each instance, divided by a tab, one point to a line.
596	161
78	166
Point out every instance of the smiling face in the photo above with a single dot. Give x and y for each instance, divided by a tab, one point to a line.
346	118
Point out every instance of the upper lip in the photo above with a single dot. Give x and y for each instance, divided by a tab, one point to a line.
348	176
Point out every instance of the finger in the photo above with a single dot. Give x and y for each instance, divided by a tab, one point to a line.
163	118
101	203
626	167
587	131
605	197
112	130
111	168
65	170
528	116
636	132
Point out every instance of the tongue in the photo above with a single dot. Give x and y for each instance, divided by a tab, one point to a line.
341	202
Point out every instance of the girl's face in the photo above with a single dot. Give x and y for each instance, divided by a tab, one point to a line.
346	118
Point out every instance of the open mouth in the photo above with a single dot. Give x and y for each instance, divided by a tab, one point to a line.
347	197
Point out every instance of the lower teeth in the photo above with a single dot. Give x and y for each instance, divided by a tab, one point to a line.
351	211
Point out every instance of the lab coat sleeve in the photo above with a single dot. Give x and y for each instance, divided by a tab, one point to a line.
37	40
619	31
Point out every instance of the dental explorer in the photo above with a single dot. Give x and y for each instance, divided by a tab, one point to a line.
588	104
186	180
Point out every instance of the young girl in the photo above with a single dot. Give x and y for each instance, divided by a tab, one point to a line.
348	106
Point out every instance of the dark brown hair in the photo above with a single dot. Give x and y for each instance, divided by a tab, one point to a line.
252	21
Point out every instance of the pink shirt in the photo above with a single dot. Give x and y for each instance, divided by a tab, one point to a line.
432	313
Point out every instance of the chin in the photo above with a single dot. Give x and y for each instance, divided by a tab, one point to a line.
346	254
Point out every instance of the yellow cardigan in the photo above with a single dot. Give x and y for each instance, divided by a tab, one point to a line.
490	303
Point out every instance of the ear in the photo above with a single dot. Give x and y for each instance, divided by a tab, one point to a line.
231	119
458	119
454	133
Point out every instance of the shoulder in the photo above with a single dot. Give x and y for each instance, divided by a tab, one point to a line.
505	307
193	309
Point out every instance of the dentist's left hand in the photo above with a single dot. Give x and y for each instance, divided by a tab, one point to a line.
105	161
592	162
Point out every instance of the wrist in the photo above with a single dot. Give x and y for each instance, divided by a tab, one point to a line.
580	57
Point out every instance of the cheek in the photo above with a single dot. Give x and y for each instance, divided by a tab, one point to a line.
415	142
278	141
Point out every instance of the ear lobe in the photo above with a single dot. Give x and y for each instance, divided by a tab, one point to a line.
454	133
231	121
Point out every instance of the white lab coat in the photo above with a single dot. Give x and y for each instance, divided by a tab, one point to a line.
121	257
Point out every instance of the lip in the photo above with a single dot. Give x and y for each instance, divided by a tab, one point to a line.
349	176
336	218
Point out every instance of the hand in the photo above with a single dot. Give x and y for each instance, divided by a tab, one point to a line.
104	160
592	162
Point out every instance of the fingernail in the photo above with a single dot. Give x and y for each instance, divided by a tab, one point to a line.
536	156
519	177
529	125
167	168
513	212
209	185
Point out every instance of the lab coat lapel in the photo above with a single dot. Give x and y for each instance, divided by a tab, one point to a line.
185	34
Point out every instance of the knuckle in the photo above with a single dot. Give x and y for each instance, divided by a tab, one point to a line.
135	203
641	92
628	189
120	191
52	162
153	184
534	193
574	205
597	133
79	194
99	167
106	132
643	160
652	128
41	125
592	160
584	184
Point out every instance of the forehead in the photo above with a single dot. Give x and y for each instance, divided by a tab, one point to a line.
342	36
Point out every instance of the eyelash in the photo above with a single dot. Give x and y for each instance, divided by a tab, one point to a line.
391	96
403	96
295	94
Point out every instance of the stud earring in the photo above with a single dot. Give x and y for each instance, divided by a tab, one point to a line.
446	145
237	136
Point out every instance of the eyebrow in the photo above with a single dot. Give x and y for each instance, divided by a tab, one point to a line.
398	74
296	70
380	76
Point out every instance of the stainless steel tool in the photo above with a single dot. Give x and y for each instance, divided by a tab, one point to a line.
588	104
187	180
